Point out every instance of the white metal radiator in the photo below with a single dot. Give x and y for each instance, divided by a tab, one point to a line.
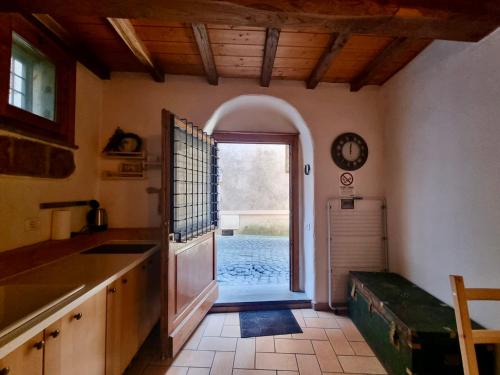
356	241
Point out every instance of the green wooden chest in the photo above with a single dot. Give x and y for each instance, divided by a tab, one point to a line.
411	332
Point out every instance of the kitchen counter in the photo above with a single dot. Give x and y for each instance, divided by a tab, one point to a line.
93	271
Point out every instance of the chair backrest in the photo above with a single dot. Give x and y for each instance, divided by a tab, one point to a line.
467	336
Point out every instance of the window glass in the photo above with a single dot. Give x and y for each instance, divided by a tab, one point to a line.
32	79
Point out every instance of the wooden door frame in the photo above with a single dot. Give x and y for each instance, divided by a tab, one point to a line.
290	139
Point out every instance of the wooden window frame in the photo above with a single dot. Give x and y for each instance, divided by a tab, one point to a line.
62	129
291	140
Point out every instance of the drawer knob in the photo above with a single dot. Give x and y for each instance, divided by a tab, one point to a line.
124	281
39	345
4	371
55	333
78	316
113	290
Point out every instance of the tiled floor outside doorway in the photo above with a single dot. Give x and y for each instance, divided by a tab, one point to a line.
330	344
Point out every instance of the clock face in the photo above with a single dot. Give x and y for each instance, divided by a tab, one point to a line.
349	151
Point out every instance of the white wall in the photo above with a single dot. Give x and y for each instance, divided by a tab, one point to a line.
442	118
20	196
134	102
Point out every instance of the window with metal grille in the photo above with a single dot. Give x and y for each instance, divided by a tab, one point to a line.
195	181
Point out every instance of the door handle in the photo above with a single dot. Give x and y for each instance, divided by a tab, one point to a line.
55	333
39	345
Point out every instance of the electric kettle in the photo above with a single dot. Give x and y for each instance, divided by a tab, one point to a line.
97	218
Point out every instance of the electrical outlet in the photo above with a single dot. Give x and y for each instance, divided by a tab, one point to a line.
31	224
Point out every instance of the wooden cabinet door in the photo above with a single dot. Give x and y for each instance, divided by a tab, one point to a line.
79	348
151	298
27	359
53	361
130	316
114	328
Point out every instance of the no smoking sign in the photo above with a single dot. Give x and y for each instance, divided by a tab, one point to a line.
346	186
346	179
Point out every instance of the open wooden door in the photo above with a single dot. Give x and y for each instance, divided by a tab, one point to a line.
188	252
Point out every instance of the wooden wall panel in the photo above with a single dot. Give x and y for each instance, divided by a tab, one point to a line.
245	37
292	73
393	65
239	71
194	272
358	52
171	44
100	38
238	50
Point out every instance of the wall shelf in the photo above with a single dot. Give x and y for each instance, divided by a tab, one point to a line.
124	155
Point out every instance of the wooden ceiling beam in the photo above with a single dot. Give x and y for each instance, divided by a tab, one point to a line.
62	36
126	32
335	45
392	49
207	57
461	20
272	38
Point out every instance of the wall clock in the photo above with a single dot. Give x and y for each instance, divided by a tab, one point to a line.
349	151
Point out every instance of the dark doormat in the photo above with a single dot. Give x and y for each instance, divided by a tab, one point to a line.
268	323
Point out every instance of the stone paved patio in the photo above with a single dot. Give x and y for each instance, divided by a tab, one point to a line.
252	260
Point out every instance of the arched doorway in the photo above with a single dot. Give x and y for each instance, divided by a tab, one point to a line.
265	113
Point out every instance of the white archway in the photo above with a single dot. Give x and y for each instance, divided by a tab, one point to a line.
286	110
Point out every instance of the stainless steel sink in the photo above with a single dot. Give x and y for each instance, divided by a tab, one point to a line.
120	248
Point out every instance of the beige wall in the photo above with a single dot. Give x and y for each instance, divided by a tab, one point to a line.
20	196
442	139
134	101
253	177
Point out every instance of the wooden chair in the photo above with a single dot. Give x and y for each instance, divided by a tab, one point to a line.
467	336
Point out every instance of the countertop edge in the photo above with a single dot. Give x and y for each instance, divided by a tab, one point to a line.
18	337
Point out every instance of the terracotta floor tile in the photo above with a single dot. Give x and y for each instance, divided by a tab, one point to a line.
299	317
162	370
288	373
215	322
194	358
293	346
311	334
364	365
326	314
321	323
361	348
349	329
339	342
326	356
309	313
231	331
264	344
232	319
198	371
275	361
195	338
222	344
245	353
285	336
223	363
253	372
308	365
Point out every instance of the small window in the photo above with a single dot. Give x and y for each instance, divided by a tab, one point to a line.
37	82
32	79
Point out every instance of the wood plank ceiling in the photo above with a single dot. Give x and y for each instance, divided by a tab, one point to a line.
313	52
